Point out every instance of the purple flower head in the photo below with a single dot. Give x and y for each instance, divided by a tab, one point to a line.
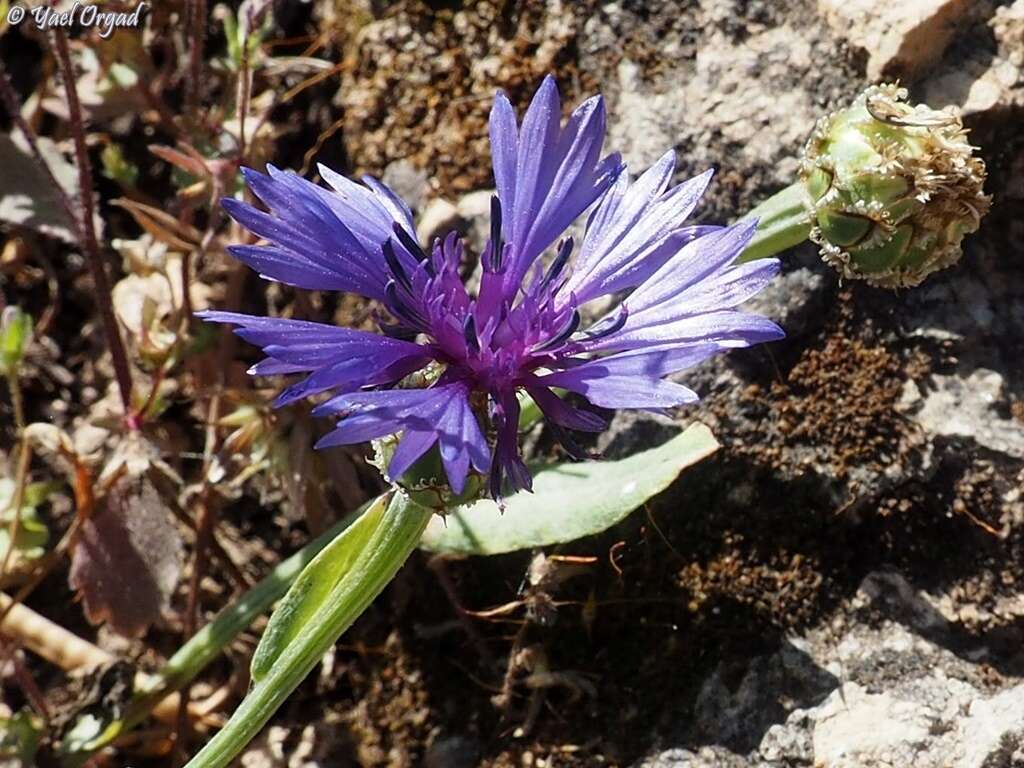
522	329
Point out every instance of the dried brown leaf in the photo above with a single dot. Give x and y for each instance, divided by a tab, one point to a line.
127	559
161	225
189	161
161	291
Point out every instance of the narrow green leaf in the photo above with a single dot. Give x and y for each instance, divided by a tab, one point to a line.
316	582
379	551
15	331
191	658
570	501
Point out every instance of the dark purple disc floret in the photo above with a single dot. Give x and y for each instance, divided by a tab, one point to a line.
521	330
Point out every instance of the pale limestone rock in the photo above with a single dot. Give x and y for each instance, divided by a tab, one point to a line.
987	725
857	729
902	39
965	406
880	688
439	218
983	83
648	119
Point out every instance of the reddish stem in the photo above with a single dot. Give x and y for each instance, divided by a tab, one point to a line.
87	231
197	17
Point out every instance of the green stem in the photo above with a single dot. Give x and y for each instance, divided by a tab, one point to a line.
363	560
783	222
529	412
208	642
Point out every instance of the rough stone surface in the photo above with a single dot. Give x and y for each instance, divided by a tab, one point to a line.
438	219
923	388
903	39
968	406
889	687
734	79
796	299
979	83
408	182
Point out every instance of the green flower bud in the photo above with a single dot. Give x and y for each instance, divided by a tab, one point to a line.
892	188
425	482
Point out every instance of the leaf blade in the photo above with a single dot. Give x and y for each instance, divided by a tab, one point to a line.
314	586
570	501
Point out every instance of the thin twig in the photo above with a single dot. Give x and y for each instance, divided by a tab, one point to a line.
307	159
17	501
196	254
239	579
43	568
67	650
168	119
21	478
244	88
205	524
24	678
439	566
87	228
53	286
197	36
17	403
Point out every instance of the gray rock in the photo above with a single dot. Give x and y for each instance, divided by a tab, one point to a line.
878	688
633	431
475	210
408	182
901	40
796	299
706	757
732	79
968	405
771	688
453	752
978	83
439	218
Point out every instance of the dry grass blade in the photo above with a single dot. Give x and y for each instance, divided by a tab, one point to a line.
189	161
161	225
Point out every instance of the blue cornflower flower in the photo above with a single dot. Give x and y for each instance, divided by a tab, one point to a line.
521	330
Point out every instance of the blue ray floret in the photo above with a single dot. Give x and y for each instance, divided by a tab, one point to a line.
521	330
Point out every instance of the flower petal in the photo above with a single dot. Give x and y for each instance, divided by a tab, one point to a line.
635	230
701	258
727	328
546	176
337	357
560	412
623	391
320	239
507	464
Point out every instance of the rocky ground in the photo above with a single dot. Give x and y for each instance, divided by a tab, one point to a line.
850	564
842	585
